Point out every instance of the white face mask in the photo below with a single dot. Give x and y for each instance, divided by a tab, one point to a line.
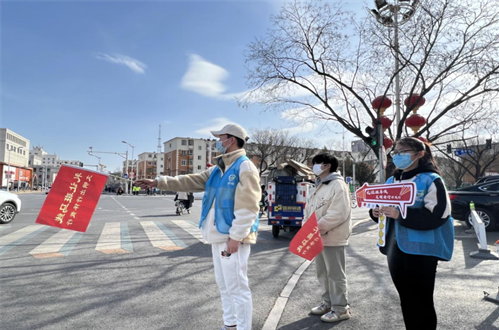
317	169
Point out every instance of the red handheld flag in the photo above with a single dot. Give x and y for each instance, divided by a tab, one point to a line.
72	198
307	242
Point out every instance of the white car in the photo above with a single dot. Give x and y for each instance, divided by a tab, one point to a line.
198	195
9	207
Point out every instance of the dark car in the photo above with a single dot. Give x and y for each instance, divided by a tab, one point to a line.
485	196
487	179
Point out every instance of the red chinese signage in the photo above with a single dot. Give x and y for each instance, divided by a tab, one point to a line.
390	194
72	198
307	242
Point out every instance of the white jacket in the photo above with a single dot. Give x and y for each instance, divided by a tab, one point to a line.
331	203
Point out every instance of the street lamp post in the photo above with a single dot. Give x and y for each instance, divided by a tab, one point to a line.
121	154
132	174
395	14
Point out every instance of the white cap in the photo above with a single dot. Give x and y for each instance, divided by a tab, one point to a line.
234	130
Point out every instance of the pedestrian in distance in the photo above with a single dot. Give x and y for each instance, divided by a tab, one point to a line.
263	200
331	204
414	245
183	198
229	219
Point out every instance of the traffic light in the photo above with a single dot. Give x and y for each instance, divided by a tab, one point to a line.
372	139
488	144
449	149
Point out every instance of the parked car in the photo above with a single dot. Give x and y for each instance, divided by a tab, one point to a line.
485	196
11	205
488	179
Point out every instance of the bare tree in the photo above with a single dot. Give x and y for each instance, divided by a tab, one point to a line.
322	59
471	156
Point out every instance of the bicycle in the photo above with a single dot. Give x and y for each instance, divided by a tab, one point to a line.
354	201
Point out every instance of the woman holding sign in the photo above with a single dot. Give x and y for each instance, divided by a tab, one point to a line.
414	244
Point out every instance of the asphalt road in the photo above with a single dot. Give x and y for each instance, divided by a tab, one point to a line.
139	266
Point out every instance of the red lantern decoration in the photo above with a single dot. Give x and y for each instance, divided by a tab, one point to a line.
415	122
385	122
381	102
416	100
387	142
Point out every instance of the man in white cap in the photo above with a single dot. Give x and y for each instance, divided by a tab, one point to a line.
229	219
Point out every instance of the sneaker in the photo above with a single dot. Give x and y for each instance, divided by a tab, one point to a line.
331	316
323	308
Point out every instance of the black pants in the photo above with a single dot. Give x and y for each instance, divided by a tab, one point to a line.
414	278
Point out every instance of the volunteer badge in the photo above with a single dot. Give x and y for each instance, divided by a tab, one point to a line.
72	199
307	242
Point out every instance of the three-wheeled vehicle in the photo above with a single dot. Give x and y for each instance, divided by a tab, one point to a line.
288	190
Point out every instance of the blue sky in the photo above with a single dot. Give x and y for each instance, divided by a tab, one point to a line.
76	74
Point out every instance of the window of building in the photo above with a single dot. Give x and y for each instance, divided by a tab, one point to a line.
199	157
190	162
183	163
183	172
199	167
200	148
184	142
191	142
190	152
190	171
184	152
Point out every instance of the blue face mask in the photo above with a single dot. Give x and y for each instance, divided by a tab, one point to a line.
219	145
402	161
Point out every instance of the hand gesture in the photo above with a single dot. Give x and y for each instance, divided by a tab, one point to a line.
146	183
390	211
376	212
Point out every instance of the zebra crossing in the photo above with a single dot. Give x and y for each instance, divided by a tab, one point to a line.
114	238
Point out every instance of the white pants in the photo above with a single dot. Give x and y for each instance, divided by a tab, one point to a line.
231	274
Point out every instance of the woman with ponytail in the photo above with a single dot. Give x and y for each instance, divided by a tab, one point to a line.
414	245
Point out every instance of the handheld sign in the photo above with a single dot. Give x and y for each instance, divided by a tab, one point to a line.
307	242
390	194
72	199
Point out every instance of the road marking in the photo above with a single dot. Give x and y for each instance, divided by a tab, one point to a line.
4	227
191	228
59	245
7	242
110	240
274	317
161	237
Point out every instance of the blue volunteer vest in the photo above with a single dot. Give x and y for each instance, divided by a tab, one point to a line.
222	189
437	242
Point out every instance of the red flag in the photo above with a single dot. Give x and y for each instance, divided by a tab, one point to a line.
307	242
72	198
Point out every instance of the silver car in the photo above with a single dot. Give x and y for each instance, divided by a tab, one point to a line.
10	205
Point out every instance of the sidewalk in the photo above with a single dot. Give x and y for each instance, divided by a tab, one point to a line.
374	301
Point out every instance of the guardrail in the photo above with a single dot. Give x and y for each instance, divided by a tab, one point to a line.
483	252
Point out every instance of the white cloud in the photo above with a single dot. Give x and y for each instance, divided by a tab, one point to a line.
204	78
133	64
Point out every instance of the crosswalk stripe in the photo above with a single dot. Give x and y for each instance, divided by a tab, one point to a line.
3	227
7	242
160	237
58	245
110	240
191	228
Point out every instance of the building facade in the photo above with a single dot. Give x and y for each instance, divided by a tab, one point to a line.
185	155
14	160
